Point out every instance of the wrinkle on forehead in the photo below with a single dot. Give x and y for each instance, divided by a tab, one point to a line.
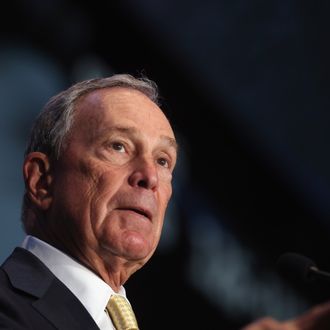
96	110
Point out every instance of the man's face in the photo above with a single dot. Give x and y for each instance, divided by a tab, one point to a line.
112	182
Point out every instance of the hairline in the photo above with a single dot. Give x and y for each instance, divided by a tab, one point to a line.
70	99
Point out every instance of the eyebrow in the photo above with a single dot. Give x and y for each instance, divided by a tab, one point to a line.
171	142
133	131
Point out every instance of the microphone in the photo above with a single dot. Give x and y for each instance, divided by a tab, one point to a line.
299	267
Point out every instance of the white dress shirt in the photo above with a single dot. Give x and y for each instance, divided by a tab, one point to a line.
90	289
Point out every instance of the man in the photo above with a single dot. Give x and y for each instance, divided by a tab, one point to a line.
97	170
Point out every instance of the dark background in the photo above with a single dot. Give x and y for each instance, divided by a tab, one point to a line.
246	86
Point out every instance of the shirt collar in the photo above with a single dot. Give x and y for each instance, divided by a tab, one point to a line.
90	289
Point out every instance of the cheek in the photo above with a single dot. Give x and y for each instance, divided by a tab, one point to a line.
103	193
165	196
72	195
85	192
165	177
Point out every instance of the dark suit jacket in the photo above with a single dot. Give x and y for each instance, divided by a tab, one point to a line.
31	297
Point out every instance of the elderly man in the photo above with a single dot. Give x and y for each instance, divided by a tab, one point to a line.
98	171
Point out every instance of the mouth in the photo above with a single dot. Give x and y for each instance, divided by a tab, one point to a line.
145	213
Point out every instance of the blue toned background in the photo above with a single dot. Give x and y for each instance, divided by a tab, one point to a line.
246	85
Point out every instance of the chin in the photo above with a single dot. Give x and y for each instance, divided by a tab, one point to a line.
137	248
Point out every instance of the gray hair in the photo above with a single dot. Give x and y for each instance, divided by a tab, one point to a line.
54	122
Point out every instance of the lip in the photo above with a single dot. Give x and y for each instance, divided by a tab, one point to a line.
140	210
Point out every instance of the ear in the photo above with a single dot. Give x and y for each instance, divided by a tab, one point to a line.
38	179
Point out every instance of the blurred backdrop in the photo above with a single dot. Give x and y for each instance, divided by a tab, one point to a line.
246	85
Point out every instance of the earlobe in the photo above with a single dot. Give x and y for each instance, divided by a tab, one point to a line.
38	179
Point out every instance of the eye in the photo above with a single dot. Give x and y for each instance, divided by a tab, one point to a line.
163	162
118	146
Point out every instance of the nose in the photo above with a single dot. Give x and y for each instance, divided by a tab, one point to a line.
144	174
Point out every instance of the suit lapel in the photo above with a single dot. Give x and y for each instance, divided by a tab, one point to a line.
52	298
63	309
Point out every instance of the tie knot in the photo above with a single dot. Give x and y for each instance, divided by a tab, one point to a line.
121	313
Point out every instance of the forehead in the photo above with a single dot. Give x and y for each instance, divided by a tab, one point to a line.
122	107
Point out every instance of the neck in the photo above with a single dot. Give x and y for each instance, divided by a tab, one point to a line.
112	269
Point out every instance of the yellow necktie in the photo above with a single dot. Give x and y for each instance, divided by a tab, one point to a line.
121	313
